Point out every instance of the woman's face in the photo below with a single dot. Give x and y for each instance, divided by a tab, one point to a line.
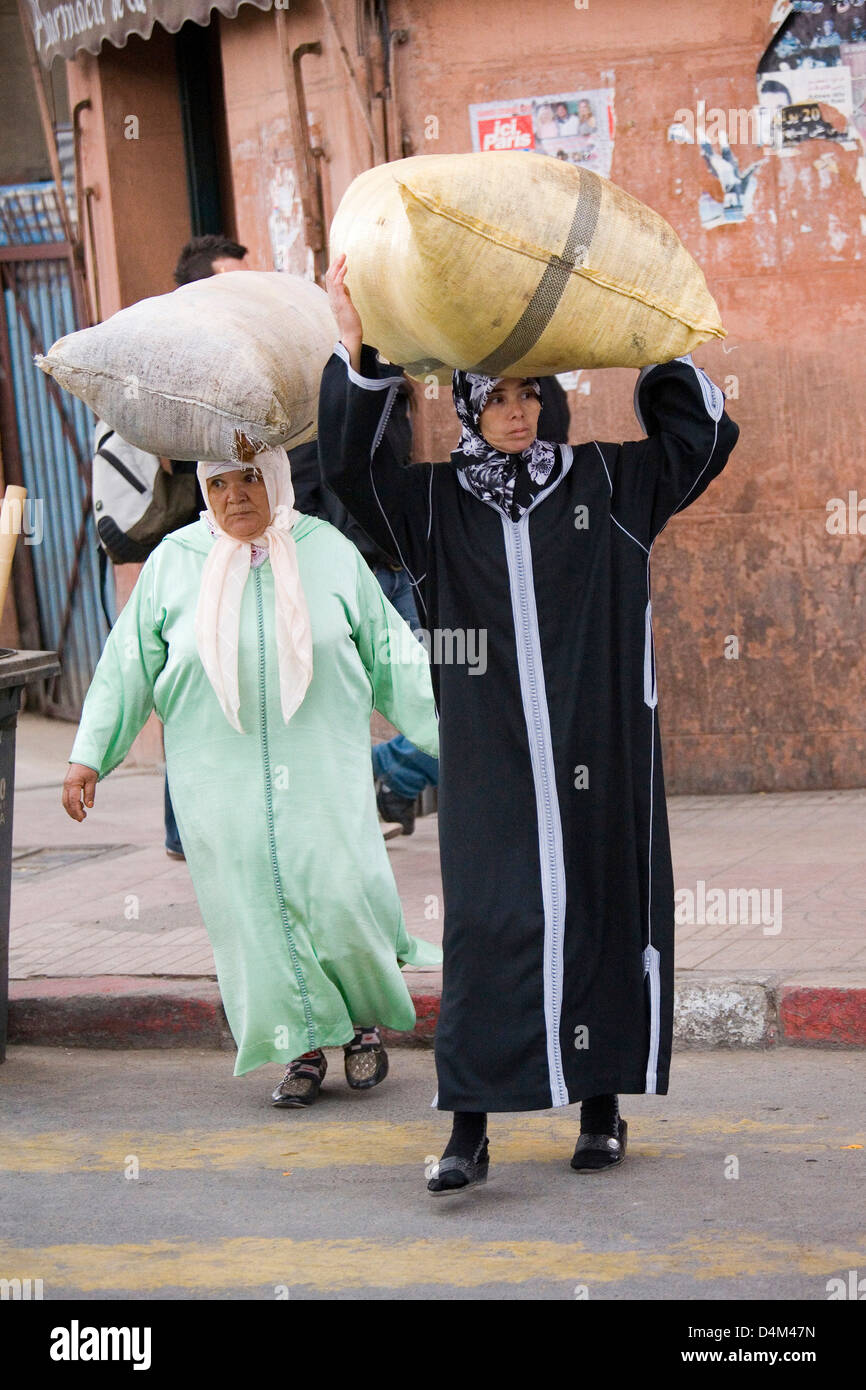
509	420
239	501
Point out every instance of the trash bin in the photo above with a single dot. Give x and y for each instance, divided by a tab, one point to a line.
17	669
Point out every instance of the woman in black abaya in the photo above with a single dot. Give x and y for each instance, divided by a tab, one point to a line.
556	869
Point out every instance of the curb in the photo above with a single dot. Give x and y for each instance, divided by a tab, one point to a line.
823	1015
714	1010
116	1011
426	1018
710	1011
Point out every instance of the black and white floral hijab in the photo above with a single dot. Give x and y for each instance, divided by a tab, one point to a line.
508	481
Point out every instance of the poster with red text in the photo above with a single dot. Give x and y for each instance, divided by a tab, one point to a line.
574	126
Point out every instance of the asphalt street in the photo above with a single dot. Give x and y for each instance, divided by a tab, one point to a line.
156	1174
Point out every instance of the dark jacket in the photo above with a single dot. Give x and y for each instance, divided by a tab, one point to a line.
313	497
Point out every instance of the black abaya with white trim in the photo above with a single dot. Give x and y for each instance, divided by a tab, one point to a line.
556	866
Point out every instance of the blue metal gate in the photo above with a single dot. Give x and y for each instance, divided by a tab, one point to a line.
51	449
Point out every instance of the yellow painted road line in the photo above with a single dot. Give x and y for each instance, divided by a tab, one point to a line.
460	1263
281	1145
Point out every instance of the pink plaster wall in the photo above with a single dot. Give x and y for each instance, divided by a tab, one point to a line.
141	214
753	558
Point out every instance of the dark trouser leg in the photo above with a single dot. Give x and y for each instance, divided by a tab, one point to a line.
599	1115
172	837
467	1135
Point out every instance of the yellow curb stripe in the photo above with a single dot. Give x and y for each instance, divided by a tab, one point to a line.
357	1264
289	1143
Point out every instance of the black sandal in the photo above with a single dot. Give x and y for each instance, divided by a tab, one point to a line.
303	1080
365	1059
595	1152
473	1171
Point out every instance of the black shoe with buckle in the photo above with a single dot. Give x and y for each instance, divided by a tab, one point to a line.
455	1174
303	1080
595	1152
366	1060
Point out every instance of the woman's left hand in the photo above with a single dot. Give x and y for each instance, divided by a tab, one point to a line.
79	789
344	311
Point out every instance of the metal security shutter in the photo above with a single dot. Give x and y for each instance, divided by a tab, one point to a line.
51	445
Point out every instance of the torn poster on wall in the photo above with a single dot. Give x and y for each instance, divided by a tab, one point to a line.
712	131
738	186
809	71
286	224
571	381
575	126
811	85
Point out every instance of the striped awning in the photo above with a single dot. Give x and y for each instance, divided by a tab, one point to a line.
60	30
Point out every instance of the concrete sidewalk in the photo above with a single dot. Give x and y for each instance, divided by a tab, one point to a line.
108	947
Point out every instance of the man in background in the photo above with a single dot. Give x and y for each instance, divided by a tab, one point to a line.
204	256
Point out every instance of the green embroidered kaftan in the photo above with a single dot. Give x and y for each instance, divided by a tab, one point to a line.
278	823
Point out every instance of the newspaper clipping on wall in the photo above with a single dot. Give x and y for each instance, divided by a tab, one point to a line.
575	126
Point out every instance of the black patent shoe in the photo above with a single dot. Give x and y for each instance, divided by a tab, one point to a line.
456	1174
366	1060
595	1152
302	1082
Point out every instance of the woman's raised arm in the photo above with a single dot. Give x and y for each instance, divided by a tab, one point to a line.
344	311
689	438
389	498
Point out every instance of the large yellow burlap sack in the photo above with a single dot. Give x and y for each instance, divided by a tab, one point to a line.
515	263
210	371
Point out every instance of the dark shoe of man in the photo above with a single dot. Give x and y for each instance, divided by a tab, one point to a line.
393	807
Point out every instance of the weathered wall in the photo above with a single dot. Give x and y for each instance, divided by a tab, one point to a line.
141	211
132	154
264	166
258	127
753	559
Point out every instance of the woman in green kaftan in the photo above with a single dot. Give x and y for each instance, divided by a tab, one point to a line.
263	642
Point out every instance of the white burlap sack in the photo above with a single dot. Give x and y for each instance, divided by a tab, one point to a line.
208	371
515	263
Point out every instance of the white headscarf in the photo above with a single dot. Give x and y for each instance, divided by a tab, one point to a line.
226	570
